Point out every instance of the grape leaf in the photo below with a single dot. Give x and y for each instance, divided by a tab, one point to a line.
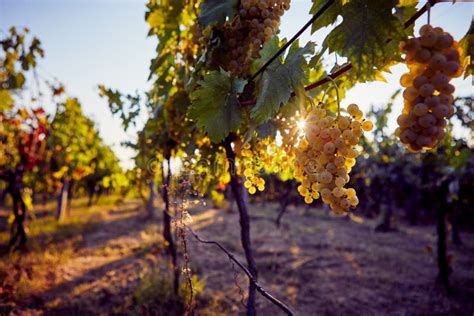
157	62
6	100
329	16
165	17
296	103
296	63
407	3
405	12
279	80
362	36
156	19
269	49
268	129
214	105
467	45
126	106
217	11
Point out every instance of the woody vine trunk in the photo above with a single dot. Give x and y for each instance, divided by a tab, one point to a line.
171	246
237	190
18	232
62	200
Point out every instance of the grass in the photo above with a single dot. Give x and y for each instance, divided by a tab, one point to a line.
154	295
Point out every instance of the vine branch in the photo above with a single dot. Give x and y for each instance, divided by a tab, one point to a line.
312	86
260	289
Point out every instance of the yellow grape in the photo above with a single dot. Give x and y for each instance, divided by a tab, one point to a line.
324	158
433	59
243	37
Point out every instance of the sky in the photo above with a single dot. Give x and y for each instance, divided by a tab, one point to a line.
92	42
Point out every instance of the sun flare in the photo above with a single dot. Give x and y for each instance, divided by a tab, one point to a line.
301	124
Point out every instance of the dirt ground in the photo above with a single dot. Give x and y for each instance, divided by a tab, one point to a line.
316	263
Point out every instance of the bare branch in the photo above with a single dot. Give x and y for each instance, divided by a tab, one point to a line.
260	289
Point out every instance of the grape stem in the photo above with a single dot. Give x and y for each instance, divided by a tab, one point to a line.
422	10
337	97
324	95
428	13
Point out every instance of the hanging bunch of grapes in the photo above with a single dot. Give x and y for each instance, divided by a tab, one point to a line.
255	24
326	154
433	60
251	164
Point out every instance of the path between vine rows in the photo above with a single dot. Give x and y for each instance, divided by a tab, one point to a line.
317	264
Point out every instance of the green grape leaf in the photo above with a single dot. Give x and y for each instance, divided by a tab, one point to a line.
269	49
6	100
157	18
296	63
214	104
467	45
362	37
267	129
405	12
279	80
407	3
126	106
163	17
329	16
274	88
217	11
296	103
158	62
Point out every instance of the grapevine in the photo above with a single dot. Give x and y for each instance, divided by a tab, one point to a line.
229	107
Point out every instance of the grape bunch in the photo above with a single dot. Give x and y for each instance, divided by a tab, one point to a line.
433	59
252	165
263	154
326	154
255	24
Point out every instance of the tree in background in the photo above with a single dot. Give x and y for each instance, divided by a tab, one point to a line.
106	174
22	132
22	145
73	142
79	154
